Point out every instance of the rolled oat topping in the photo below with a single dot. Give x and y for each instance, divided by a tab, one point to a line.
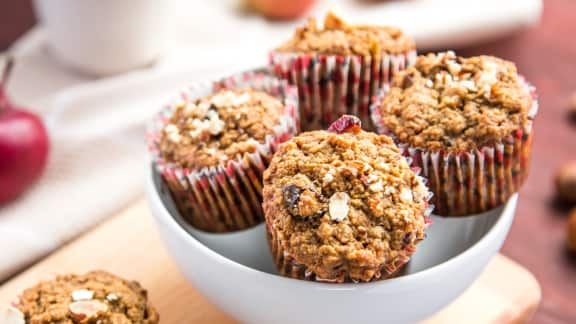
221	127
455	103
339	38
344	205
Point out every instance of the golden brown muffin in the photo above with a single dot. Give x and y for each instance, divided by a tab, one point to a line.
95	297
446	102
220	127
342	205
337	37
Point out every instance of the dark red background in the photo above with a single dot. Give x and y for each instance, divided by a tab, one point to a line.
546	55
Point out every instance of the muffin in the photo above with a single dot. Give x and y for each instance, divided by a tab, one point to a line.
339	67
212	145
343	205
467	122
95	297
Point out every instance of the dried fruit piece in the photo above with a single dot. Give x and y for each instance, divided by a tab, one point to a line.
12	315
291	196
346	123
86	309
338	206
572	231
566	182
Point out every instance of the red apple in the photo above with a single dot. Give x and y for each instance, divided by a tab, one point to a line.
281	9
23	145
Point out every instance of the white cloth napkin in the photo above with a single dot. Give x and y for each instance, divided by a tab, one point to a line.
98	154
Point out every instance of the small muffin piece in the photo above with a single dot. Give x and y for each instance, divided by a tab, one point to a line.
339	38
95	297
220	127
446	102
342	205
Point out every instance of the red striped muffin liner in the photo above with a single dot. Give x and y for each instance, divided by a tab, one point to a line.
474	181
226	197
289	267
332	85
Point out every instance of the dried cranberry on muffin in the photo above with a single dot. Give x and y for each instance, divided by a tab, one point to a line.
342	205
338	67
95	297
212	147
467	122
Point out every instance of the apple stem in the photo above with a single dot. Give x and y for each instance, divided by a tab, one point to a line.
9	64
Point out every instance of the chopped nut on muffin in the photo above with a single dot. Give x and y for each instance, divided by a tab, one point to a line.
343	205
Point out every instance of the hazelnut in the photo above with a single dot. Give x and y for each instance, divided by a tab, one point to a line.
572	231
566	182
87	309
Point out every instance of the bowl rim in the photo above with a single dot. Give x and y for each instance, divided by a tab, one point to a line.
153	196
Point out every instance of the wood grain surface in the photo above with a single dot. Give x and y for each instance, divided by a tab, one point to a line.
546	55
128	245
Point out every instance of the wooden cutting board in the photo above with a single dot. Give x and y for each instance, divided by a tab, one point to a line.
129	246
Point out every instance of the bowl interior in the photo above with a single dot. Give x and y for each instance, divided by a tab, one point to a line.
446	238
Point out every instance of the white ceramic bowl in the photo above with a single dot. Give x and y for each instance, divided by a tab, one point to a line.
235	271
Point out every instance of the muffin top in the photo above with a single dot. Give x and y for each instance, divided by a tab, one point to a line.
455	103
339	38
220	127
96	297
346	205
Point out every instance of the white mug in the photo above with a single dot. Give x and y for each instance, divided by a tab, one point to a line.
104	37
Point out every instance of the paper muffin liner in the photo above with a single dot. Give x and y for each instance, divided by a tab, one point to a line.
332	85
226	197
289	267
471	182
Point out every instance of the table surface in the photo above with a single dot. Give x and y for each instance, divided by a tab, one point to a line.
546	55
505	292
